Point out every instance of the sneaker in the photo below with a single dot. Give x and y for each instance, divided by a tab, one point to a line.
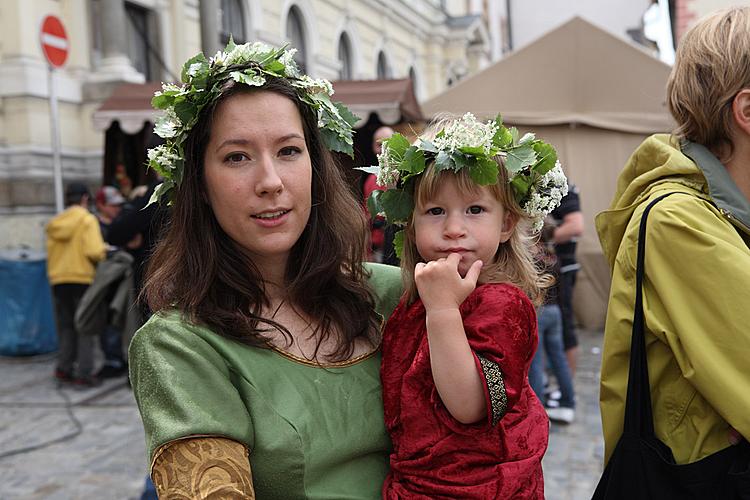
555	395
561	414
63	376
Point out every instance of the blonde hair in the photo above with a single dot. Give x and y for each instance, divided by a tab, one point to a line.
712	64
514	261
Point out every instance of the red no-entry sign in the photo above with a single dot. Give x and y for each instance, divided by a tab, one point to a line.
54	41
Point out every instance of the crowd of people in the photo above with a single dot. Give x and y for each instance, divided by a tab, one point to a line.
281	357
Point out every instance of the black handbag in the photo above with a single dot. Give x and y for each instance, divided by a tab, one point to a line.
643	467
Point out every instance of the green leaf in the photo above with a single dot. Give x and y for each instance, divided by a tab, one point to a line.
484	172
373	204
276	67
397	204
398	244
185	111
461	160
519	157
443	161
514	135
346	113
370	170
547	157
528	136
248	77
397	143
231	45
521	185
162	101
199	59
413	161
335	143
502	138
426	145
476	151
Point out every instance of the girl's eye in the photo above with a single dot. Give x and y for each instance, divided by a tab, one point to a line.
435	211
290	151
475	210
236	157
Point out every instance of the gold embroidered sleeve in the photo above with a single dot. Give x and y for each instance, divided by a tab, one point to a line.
202	468
496	388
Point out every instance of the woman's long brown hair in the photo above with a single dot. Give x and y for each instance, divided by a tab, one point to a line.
199	270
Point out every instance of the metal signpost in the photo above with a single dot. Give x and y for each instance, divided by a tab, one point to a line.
54	42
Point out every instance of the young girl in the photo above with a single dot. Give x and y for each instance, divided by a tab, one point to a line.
456	352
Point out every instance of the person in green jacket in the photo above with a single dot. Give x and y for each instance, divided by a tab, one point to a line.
258	374
696	293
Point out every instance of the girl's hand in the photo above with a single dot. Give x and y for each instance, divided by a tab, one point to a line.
440	285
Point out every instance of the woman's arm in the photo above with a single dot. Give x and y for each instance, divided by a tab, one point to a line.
453	364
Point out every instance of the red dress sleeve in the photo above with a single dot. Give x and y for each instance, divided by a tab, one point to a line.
500	323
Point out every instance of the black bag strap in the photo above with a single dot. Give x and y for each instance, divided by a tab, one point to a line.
639	419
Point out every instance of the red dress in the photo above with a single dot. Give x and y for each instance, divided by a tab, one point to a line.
436	456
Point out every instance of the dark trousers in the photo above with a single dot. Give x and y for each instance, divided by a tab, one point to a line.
76	352
567	281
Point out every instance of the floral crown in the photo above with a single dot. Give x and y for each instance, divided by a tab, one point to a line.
203	79
535	175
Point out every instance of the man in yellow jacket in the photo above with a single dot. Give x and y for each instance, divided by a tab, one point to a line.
696	288
74	246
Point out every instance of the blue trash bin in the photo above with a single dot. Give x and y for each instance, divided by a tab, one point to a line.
27	322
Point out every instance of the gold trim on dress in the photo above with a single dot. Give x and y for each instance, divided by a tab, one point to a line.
333	364
496	387
206	467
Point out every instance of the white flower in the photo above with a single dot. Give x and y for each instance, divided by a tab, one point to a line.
546	195
314	86
466	132
287	59
171	88
219	59
168	124
388	175
162	156
193	69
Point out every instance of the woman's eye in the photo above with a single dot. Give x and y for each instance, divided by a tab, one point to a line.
290	151
475	210
435	211
236	157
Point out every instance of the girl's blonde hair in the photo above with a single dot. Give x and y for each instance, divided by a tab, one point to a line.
712	64
514	262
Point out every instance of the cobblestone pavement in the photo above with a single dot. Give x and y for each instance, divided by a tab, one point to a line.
106	458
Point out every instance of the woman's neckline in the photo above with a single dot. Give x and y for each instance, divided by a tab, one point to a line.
330	364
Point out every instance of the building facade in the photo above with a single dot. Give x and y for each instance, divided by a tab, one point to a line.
117	41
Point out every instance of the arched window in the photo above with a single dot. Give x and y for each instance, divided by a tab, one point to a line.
414	82
232	22
295	32
345	57
383	71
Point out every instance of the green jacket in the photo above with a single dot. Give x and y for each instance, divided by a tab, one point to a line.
696	297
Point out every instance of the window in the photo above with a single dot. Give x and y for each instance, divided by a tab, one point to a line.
383	71
232	22
295	32
414	83
345	57
141	50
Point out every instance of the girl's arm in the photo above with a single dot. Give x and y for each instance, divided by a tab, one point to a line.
454	370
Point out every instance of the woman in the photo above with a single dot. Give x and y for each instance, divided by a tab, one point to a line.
696	287
258	373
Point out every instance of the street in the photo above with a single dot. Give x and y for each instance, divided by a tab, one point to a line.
106	459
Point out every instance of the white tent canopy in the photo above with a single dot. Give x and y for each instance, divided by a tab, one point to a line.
592	95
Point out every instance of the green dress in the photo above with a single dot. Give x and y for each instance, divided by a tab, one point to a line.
312	432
